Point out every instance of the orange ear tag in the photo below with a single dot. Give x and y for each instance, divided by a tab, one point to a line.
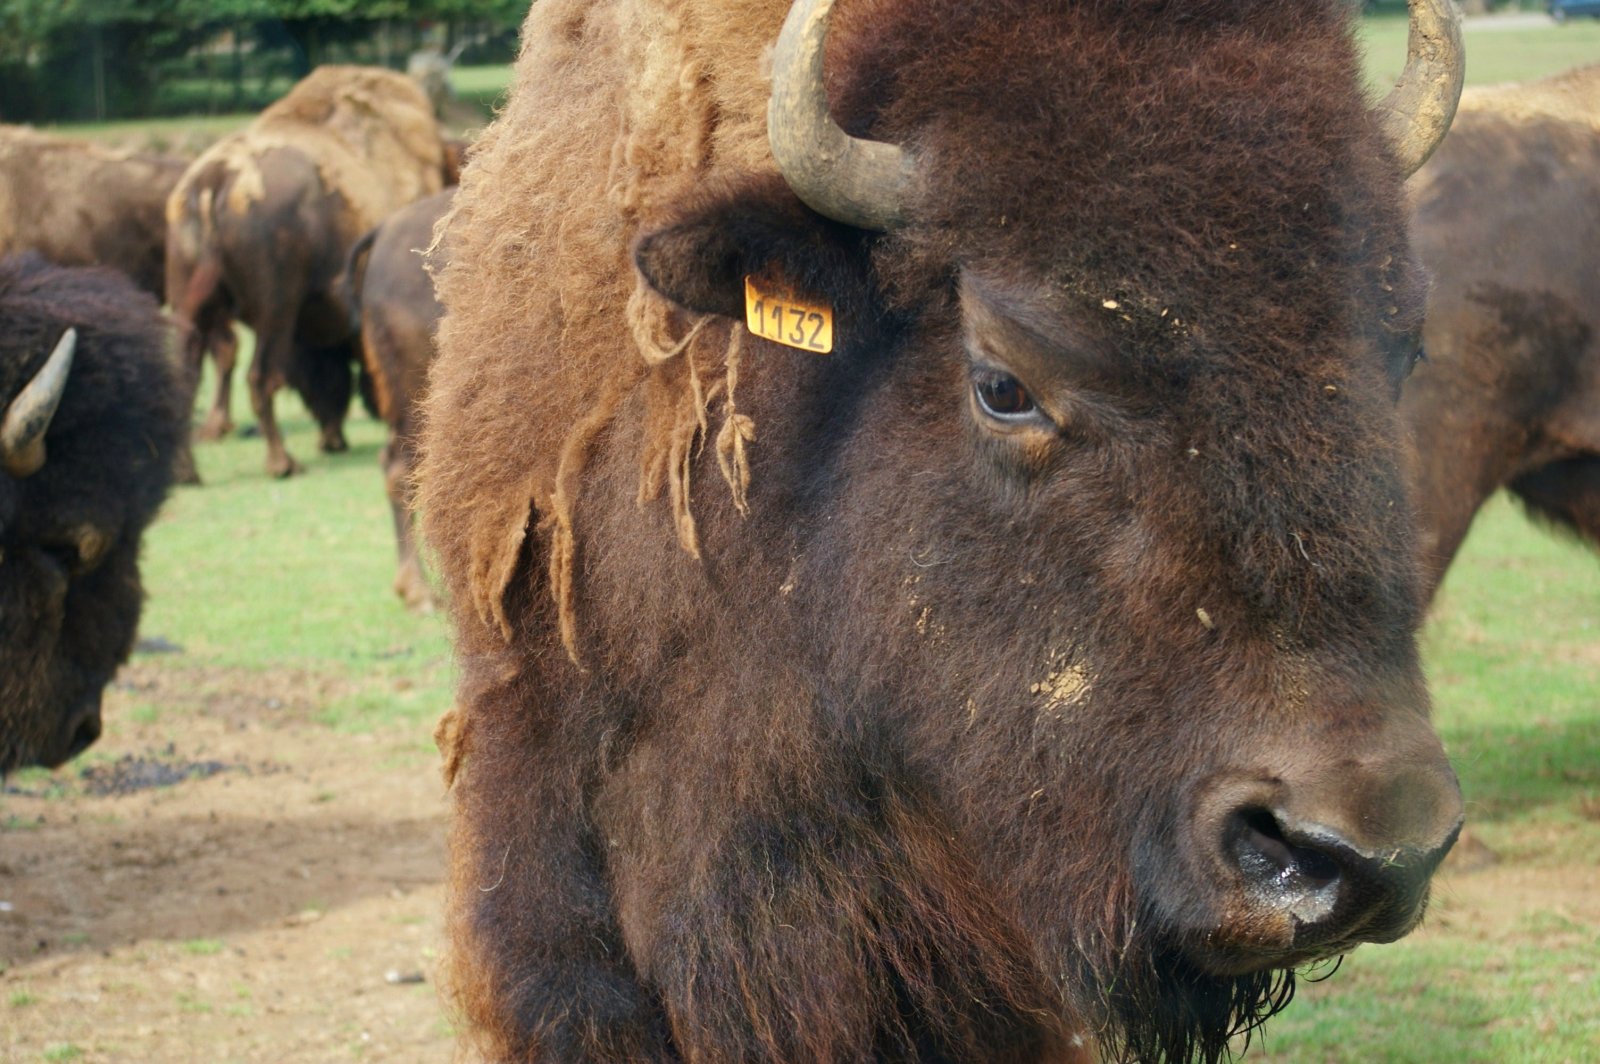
786	318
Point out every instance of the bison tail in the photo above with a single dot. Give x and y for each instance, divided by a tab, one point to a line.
199	287
349	291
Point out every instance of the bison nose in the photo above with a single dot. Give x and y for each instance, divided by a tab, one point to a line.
1338	846
1337	891
78	731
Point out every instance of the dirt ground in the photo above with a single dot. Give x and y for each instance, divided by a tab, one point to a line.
232	881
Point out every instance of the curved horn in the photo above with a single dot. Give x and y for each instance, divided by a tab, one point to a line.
28	416
863	183
1417	112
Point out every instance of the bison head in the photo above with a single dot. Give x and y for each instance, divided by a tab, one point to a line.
91	420
1093	534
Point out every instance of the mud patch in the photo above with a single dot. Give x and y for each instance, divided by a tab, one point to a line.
225	881
131	773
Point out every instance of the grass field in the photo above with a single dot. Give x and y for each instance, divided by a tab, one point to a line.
1498	49
259	574
257	577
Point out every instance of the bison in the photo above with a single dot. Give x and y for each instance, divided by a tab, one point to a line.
93	420
261	223
1046	673
390	285
1507	217
79	204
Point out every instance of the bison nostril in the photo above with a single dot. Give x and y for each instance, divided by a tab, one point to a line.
1288	875
1261	841
84	734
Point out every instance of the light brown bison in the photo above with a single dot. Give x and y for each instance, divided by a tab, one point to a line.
398	312
1046	671
79	204
1508	220
260	226
91	418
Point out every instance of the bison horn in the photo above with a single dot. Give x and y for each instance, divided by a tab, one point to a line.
1417	112
28	416
863	183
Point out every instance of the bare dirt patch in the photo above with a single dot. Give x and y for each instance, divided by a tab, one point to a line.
230	881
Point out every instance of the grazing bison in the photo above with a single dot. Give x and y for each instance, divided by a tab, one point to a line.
1046	672
1507	216
261	223
92	421
79	204
398	315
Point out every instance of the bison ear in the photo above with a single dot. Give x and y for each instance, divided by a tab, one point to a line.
700	257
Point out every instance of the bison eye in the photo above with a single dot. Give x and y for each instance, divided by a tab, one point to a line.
1002	396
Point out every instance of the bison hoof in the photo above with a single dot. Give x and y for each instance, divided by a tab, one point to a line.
414	591
333	443
283	466
213	428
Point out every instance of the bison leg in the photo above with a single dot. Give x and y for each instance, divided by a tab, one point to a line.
323	378
409	582
191	349
1566	493
274	348
224	346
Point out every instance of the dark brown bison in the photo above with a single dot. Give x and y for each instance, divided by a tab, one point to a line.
1046	673
1507	217
79	204
260	226
398	314
93	418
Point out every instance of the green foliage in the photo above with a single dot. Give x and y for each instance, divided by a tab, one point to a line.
98	58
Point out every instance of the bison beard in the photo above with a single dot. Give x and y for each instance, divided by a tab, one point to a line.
928	739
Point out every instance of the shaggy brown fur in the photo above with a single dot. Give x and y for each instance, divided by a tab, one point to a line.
1507	215
261	224
79	204
69	533
392	293
892	732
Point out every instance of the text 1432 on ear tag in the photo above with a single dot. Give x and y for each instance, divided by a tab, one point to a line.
786	318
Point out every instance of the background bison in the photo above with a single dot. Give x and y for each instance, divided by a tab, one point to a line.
1507	218
1046	671
261	223
79	204
398	314
90	431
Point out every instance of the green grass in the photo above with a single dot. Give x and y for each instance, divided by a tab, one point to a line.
1514	658
481	85
262	575
1493	54
156	133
